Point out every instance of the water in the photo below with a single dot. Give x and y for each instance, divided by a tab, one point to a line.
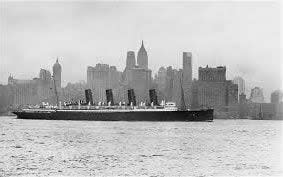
88	148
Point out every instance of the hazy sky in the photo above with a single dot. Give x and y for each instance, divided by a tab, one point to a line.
243	36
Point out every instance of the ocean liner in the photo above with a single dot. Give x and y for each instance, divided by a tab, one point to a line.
121	112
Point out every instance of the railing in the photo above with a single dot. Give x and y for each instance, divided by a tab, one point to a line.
91	107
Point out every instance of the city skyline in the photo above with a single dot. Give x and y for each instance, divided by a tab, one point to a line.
40	37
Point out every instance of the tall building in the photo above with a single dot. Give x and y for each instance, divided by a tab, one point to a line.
37	90
57	70
257	95
161	79
44	75
140	80
45	92
217	74
213	90
31	92
6	98
137	77
195	102
25	92
187	77
142	58
169	83
100	78
276	97
131	59
241	85
176	94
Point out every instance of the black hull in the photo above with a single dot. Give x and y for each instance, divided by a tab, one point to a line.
197	115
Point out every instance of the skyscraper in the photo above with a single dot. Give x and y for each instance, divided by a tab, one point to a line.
100	78
241	85
276	97
169	83
44	75
139	79
57	70
176	94
257	95
45	86
24	91
187	77
142	58
187	66
161	79
213	90
131	60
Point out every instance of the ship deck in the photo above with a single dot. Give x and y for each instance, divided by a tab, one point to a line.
98	110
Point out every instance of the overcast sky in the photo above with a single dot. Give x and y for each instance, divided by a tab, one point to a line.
243	36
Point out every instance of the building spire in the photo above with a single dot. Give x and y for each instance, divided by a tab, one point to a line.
142	47
142	58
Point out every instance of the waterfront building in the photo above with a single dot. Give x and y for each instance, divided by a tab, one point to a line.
140	80
267	111
137	77
213	90
169	83
241	85
160	79
276	97
114	78
194	102
24	91
45	84
100	78
273	110
6	98
142	58
176	93
97	81
257	95
74	92
121	93
37	90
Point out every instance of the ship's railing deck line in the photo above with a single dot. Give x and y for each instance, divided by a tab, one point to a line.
97	110
113	110
101	110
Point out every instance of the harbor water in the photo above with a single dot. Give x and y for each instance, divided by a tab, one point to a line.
88	148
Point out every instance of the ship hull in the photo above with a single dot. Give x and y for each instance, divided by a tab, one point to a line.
196	115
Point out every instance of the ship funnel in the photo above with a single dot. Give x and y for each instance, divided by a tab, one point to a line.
132	97
153	96
88	96
109	97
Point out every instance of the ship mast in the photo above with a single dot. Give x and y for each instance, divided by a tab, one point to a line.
182	104
55	89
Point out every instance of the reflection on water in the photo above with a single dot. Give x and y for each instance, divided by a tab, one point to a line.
87	148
